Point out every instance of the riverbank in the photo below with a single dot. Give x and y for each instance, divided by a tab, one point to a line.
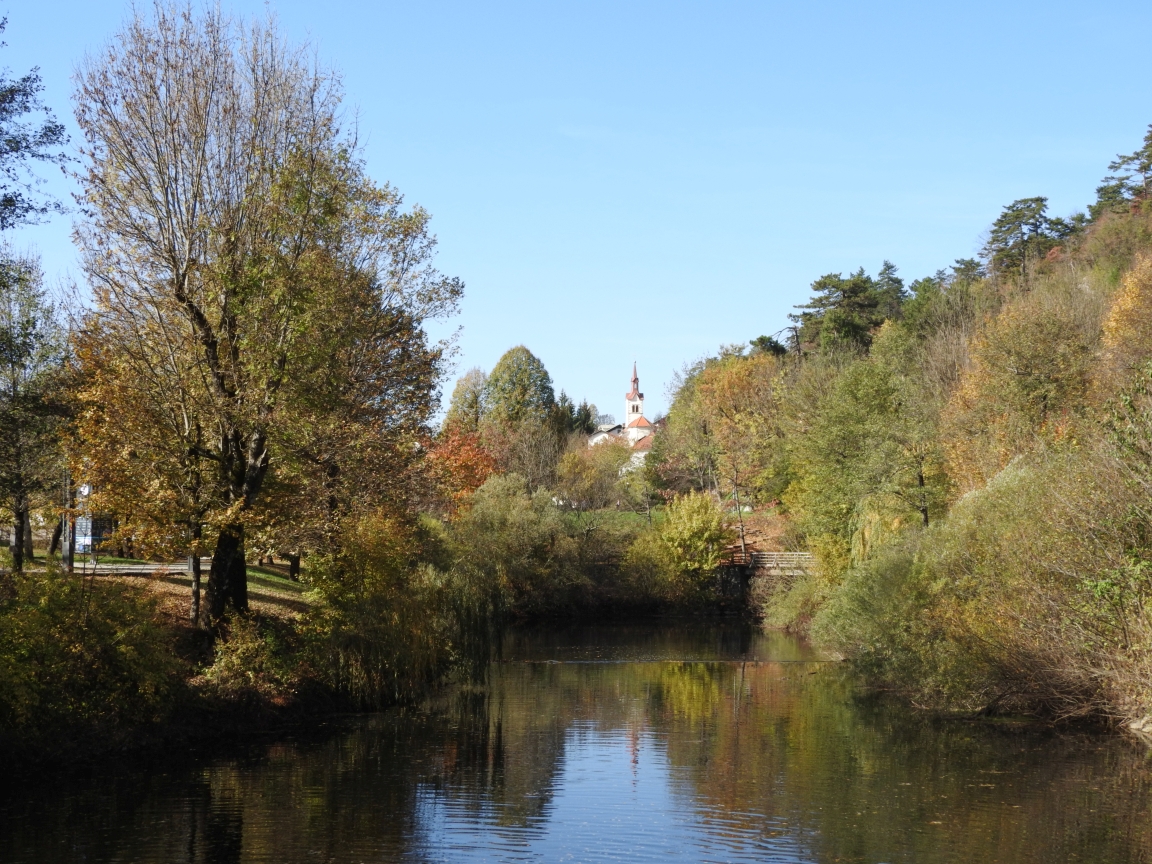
109	665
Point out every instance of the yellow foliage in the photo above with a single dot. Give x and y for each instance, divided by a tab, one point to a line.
1127	333
1027	379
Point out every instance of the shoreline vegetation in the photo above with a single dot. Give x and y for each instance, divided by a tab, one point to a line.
967	457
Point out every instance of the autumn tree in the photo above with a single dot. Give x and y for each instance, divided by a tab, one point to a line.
466	409
696	535
140	435
683	457
519	387
1027	379
738	395
459	464
1127	330
229	220
589	477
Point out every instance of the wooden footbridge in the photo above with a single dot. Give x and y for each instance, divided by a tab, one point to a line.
775	569
776	563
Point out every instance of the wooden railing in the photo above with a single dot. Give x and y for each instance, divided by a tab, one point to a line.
781	562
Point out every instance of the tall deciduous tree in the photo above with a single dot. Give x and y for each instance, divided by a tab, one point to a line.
466	409
519	387
241	258
737	395
31	356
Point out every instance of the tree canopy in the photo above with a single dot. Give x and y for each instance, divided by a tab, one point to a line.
23	141
260	295
518	387
843	311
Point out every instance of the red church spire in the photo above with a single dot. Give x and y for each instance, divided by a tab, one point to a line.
635	392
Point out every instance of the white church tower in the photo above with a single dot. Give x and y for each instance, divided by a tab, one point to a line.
636	425
636	431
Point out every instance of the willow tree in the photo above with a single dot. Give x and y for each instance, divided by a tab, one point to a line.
259	291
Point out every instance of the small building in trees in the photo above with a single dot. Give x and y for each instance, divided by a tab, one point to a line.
636	431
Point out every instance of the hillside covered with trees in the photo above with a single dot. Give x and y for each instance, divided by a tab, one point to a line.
966	455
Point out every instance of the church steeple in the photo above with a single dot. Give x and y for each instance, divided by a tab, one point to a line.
633	400
634	393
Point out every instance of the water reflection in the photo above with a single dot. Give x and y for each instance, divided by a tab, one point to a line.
707	744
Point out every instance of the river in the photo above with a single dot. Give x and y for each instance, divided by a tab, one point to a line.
670	742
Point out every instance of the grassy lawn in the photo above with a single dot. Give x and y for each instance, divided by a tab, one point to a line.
617	520
273	579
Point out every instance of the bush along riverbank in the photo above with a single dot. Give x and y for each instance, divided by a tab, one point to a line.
969	458
93	666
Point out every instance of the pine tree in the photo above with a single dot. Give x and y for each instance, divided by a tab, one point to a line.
842	312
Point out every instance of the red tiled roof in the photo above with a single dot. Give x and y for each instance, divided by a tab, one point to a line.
640	423
644	443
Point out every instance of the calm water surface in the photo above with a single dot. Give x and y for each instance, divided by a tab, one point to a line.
669	743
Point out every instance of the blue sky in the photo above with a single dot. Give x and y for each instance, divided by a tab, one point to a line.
647	181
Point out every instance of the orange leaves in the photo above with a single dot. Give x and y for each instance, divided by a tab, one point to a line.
459	464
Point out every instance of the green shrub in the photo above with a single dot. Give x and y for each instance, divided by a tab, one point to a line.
649	570
516	545
1029	596
251	663
381	628
76	652
791	607
696	535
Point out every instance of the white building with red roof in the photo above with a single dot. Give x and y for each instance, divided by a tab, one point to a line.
637	430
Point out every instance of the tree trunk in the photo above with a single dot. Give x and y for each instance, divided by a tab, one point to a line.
194	569
923	498
739	516
29	551
57	533
69	551
16	547
294	568
228	577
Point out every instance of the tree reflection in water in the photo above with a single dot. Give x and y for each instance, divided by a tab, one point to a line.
703	745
